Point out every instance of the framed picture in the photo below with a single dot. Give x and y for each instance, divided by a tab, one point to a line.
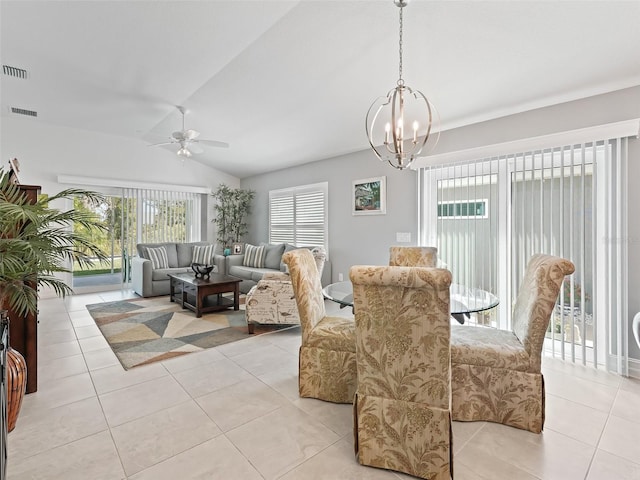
237	248
14	170
369	196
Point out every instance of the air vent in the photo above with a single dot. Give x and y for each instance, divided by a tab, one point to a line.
22	111
15	72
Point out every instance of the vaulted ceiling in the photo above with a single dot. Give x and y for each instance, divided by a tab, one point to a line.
289	82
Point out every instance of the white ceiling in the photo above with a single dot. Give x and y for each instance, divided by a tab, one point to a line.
289	82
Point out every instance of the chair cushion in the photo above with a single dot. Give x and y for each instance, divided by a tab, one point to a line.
488	347
334	333
253	256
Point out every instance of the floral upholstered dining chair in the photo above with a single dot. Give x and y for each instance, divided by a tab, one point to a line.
327	362
402	415
495	374
413	256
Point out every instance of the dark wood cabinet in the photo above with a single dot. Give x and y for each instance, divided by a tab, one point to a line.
24	329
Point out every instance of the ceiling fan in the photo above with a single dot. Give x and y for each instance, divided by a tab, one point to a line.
188	140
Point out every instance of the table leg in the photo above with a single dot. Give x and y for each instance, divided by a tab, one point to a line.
199	302
172	289
236	298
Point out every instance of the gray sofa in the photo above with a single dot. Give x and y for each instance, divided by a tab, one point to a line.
273	263
149	282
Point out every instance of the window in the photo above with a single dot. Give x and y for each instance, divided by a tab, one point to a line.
298	215
567	200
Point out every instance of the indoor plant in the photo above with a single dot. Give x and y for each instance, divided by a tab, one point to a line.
35	243
232	207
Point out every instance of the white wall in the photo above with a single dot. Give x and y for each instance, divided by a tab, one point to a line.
366	240
46	151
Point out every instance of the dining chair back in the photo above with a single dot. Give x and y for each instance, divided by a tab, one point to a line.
413	256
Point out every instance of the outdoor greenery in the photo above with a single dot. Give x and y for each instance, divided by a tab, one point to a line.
232	207
37	241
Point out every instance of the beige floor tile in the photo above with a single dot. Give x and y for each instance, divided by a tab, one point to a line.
547	455
76	303
284	380
56	336
463	433
584	372
242	347
56	392
335	416
58	350
630	385
216	459
88	331
101	358
92	344
621	437
62	425
92	457
567	417
473	463
240	403
213	376
579	390
261	360
142	399
626	406
606	466
116	377
159	436
61	367
281	440
192	360
337	462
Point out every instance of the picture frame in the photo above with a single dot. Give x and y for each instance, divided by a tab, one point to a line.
369	196
14	170
237	249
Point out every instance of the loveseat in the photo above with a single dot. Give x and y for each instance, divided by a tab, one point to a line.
251	267
155	261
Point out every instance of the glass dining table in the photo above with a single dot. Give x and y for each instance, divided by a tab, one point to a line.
463	301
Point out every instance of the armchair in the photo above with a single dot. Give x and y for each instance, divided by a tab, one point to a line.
327	361
402	407
272	301
495	374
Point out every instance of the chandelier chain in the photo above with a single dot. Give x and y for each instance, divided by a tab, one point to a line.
400	80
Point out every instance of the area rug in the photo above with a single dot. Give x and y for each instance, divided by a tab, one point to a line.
146	330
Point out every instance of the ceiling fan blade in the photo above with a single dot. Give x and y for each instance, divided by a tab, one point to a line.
213	143
179	136
160	144
195	149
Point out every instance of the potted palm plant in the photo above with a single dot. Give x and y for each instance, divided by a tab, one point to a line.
232	207
36	243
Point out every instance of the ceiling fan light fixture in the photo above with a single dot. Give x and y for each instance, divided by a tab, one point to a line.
183	152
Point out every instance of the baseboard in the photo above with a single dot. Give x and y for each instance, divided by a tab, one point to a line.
634	368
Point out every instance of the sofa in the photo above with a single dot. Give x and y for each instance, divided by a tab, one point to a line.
251	273
155	261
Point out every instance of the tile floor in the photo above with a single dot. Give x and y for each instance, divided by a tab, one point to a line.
233	412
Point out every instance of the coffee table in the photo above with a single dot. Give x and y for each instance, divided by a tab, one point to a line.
197	294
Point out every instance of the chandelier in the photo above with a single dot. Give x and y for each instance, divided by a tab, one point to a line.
399	125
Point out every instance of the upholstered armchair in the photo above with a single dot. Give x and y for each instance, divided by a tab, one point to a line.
413	256
271	301
327	362
402	407
495	374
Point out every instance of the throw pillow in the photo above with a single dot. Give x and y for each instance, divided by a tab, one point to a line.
203	254
273	255
253	256
158	257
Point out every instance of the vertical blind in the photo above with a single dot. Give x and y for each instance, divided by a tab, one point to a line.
298	215
489	216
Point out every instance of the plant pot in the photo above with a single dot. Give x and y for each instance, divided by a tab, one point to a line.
16	386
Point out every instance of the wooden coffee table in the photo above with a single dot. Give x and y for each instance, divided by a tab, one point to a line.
203	295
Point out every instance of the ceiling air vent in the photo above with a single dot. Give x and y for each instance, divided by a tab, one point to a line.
22	111
15	72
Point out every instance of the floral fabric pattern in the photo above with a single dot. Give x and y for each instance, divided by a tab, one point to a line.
496	375
413	256
327	362
402	416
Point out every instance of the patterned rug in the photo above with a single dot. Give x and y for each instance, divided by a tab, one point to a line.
146	330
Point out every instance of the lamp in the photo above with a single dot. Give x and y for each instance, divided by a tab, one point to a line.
402	110
183	152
